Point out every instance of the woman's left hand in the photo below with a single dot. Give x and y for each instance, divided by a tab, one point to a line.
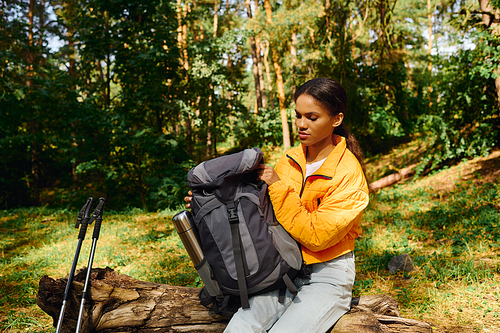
188	199
267	174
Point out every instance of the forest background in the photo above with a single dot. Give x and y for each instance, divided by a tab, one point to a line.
121	98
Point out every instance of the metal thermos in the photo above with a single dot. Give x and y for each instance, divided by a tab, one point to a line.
183	223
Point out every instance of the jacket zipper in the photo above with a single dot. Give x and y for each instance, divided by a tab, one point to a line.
305	180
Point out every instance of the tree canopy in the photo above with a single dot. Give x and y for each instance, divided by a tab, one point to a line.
122	97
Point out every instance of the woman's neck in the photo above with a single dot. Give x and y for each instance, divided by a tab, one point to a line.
313	154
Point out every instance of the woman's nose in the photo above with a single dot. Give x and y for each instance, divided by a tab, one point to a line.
300	122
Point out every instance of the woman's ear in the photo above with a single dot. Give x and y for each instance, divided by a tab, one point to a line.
337	120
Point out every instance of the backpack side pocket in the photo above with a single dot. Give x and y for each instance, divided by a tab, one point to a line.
288	248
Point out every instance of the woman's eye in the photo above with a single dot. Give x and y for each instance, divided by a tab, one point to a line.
297	116
313	119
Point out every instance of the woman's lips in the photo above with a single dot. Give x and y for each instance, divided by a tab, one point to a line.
303	135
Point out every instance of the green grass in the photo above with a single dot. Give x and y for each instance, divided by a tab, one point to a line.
454	240
450	226
42	241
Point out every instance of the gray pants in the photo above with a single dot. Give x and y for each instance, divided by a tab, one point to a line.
320	302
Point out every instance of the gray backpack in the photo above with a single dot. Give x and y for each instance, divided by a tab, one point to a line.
247	250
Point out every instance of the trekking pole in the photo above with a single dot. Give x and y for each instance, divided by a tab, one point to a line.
97	217
82	219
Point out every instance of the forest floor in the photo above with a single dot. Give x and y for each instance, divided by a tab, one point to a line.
447	221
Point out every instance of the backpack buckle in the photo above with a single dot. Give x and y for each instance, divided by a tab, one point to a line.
232	213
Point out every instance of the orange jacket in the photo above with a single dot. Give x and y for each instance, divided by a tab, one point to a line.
323	213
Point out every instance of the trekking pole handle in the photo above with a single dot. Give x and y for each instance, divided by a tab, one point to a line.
81	214
97	216
86	218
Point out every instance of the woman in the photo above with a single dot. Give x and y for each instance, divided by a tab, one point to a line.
318	191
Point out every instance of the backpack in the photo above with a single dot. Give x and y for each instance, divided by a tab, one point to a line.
247	250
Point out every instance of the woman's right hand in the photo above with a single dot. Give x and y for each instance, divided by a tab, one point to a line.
188	199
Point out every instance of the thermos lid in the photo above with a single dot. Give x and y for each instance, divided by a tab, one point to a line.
181	221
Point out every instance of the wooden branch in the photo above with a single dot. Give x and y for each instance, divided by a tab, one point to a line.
119	303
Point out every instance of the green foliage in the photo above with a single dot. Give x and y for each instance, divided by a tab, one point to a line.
495	3
140	92
259	129
169	191
463	122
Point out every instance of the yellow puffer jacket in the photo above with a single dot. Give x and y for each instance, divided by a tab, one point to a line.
323	214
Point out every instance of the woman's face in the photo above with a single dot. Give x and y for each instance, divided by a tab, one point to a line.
314	122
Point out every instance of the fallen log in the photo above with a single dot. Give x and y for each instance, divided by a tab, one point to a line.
119	303
393	178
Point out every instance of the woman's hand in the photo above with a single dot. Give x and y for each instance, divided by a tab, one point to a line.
267	174
188	199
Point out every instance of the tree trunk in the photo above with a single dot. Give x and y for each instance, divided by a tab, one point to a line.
182	35
281	98
261	72
216	18
492	20
293	51
279	82
255	61
209	111
119	303
189	136
33	125
259	61
394	178
429	43
268	72
183	61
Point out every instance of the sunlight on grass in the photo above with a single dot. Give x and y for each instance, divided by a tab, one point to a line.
41	242
451	232
454	240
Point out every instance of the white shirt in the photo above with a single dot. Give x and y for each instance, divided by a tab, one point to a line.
311	168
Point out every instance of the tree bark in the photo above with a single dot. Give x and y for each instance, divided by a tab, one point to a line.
279	82
265	46
119	303
281	98
491	19
255	62
394	178
261	72
429	52
34	185
216	18
293	51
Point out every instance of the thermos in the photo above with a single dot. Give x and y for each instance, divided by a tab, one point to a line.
183	223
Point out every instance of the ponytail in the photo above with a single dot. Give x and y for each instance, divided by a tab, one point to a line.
352	144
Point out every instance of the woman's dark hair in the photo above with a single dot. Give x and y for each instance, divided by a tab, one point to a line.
331	95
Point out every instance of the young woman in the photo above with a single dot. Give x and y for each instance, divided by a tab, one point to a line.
318	191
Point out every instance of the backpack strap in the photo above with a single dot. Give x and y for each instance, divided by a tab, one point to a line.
207	207
219	305
237	251
292	288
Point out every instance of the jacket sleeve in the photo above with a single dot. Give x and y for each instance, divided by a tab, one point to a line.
329	223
